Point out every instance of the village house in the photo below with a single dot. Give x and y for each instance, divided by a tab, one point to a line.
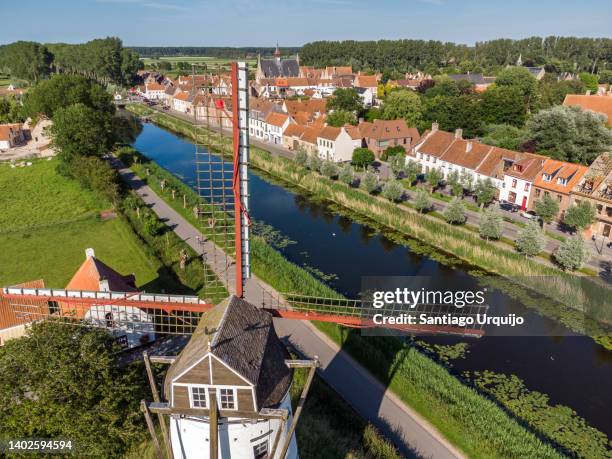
336	71
595	187
259	109
11	135
236	367
130	325
367	88
154	91
519	178
213	111
275	125
556	180
183	101
481	83
309	139
595	103
292	135
337	144
382	134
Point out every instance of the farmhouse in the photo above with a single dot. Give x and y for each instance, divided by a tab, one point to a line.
11	135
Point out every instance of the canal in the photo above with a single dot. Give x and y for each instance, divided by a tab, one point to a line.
573	370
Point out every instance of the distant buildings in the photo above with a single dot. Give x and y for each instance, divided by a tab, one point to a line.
11	135
481	83
277	67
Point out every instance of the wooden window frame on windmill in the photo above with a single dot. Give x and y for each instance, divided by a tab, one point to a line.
190	388
234	398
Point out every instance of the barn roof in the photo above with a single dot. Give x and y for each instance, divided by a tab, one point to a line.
243	337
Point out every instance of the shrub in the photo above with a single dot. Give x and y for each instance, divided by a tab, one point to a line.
530	239
580	216
329	169
412	170
572	253
434	176
546	208
301	157
398	164
455	212
391	152
422	201
347	174
485	192
369	181
314	163
393	190
491	224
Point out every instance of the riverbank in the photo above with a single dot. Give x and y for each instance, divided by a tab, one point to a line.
468	419
577	302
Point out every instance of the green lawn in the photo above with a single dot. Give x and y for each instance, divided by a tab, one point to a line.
37	196
46	223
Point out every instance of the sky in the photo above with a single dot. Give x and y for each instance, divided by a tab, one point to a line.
295	22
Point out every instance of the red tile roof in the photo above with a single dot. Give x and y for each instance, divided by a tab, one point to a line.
388	129
329	133
555	170
277	119
294	130
599	104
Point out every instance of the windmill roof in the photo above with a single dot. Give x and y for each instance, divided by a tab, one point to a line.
243	337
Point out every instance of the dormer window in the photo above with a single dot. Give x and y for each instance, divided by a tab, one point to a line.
227	399
198	397
518	168
562	181
547	177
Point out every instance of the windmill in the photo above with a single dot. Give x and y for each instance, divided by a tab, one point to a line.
226	393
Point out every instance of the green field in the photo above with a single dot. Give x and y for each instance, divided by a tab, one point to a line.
47	222
209	61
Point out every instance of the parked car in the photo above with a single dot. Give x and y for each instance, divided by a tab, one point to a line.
529	215
508	206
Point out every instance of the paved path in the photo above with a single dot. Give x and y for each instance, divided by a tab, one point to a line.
408	430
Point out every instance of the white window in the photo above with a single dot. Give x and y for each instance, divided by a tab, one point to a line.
197	395
227	399
260	450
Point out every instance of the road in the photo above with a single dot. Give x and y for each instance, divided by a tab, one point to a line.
412	434
601	257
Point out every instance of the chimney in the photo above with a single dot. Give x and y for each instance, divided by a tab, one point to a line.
434	127
458	133
104	287
89	253
468	147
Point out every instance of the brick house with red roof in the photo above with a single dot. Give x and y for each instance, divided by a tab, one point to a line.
382	134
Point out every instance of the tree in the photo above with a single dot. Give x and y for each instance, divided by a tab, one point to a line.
454	112
67	381
485	192
530	239
151	224
454	182
362	157
78	131
347	175
443	86
339	118
392	151
455	212
63	90
346	99
572	254
579	216
314	163
491	224
504	136
554	92
403	104
521	79
434	176
412	171
397	164
422	201
569	134
605	76
301	156
393	190
590	81
504	105
467	180
26	59
329	169
546	208
369	181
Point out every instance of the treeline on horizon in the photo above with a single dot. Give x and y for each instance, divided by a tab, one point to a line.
104	60
559	54
209	51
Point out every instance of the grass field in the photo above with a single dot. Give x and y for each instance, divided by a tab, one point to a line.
209	61
55	250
